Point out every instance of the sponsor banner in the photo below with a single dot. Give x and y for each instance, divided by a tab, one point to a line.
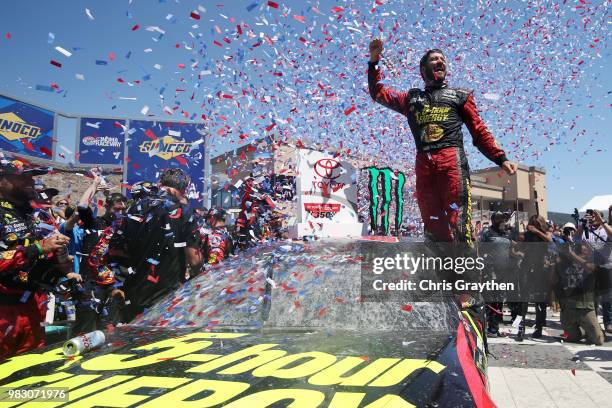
386	199
154	146
318	210
327	188
101	141
26	129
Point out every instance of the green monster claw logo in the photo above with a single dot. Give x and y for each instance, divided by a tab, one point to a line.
385	176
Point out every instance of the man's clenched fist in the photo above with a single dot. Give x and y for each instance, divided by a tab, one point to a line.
376	48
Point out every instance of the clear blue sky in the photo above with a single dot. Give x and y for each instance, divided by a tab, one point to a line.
538	71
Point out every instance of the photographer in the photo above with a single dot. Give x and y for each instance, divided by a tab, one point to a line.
594	232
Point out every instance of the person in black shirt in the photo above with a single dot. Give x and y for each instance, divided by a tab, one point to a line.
160	239
496	250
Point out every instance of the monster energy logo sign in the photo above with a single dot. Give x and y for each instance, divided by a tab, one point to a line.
380	197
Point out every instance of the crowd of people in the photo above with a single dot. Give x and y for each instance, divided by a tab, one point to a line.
568	267
96	267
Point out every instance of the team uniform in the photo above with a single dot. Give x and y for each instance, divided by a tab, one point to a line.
24	273
435	116
156	231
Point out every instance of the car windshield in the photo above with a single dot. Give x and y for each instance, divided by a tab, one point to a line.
293	285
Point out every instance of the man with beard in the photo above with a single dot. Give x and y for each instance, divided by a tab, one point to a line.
435	116
27	264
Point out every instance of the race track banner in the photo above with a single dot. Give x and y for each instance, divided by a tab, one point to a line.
101	141
154	146
26	129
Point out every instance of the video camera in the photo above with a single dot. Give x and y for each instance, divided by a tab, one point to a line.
583	221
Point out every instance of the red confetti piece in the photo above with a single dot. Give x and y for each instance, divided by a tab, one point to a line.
350	110
269	128
57	64
195	15
27	144
149	133
239	29
337	9
217	43
181	160
297	304
322	312
46	151
54	85
120	80
111	56
407	308
8	36
574	372
364	358
136	27
299	18
273	4
153	279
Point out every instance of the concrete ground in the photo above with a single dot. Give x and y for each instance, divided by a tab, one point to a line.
548	372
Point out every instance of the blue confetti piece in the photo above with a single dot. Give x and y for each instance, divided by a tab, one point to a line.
252	6
128	55
44	88
153	261
101	62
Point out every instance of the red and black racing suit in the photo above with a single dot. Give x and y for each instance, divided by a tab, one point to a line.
435	116
218	245
22	301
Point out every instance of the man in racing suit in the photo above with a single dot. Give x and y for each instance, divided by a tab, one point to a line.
218	242
25	265
435	116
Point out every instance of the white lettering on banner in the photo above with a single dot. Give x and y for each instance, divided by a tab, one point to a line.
102	141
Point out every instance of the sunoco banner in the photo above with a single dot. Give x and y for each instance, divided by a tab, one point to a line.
25	129
154	146
101	141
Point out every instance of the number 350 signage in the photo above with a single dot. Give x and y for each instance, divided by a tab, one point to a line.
327	189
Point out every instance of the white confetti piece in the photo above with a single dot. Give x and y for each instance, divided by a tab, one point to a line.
63	51
88	12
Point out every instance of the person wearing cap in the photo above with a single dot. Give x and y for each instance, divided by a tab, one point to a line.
218	243
160	241
27	264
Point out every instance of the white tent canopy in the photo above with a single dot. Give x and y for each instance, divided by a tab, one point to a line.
602	203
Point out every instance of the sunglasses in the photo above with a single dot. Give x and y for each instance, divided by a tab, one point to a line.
62	203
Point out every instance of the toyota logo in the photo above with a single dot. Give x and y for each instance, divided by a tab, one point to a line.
328	168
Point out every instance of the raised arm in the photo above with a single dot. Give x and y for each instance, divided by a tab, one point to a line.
392	99
89	193
482	138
